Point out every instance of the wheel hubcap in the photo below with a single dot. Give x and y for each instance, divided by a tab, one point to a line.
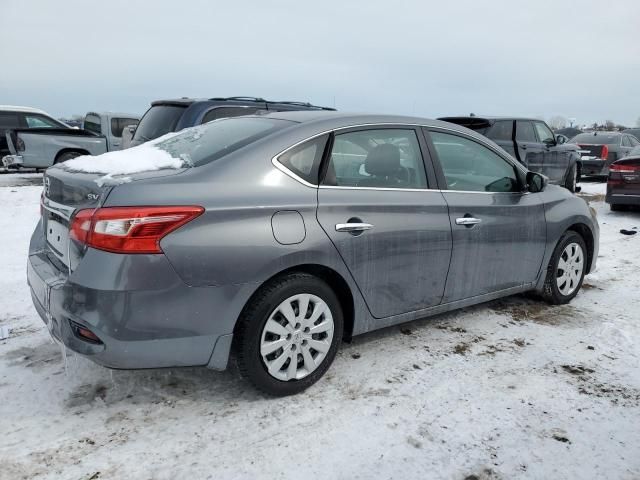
570	266
296	337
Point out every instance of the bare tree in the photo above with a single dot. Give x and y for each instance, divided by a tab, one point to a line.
609	125
557	122
638	122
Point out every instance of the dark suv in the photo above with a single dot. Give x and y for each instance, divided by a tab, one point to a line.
532	143
166	116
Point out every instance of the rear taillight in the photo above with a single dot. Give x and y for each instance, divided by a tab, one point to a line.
605	152
624	168
20	145
129	229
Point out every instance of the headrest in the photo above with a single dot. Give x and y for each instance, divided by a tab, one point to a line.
383	160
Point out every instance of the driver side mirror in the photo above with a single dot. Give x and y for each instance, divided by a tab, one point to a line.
560	139
536	182
550	142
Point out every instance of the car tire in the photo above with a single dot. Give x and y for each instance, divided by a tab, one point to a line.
267	342
67	156
572	179
616	207
570	258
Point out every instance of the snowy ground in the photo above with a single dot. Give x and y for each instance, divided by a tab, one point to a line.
510	389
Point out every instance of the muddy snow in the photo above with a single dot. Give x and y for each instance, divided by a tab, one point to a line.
510	389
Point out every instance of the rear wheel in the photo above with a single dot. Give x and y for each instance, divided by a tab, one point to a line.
572	179
63	157
288	335
566	269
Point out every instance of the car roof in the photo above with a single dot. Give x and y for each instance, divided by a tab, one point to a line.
114	114
489	118
335	119
16	108
600	132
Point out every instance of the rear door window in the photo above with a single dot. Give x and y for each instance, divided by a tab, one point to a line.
227	112
525	132
380	158
501	130
159	120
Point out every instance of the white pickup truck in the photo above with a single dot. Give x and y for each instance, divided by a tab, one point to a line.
45	145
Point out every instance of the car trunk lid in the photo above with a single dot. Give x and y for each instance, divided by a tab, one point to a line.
66	193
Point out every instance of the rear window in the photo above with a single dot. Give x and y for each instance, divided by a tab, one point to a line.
206	143
597	139
92	123
158	120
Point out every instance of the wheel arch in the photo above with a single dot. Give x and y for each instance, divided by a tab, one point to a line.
81	151
585	232
334	279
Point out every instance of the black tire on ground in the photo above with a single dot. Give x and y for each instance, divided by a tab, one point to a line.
63	157
572	179
248	333
551	292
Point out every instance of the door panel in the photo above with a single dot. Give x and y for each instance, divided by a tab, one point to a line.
504	250
498	232
400	265
554	160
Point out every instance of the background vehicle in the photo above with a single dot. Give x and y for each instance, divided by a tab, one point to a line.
568	132
285	232
43	147
623	183
166	116
601	149
12	117
633	131
532	143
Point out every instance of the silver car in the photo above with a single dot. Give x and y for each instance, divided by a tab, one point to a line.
275	237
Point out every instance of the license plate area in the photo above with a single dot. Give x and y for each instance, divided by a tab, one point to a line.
57	235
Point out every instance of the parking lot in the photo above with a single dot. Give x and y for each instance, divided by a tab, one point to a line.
510	388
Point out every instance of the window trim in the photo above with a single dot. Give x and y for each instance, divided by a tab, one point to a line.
421	138
425	129
519	169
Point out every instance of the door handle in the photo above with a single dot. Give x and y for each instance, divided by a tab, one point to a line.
353	227
523	147
467	221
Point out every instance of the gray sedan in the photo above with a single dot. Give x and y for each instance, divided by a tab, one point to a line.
274	237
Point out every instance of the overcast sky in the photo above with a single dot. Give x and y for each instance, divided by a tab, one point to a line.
503	57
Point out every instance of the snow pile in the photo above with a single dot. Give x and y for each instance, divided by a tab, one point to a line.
143	158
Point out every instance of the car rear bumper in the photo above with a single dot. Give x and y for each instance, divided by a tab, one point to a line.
12	161
622	199
594	167
144	316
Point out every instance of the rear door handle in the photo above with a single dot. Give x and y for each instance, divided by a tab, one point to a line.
467	221
353	227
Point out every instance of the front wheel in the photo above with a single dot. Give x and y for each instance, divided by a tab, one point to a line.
566	269
288	335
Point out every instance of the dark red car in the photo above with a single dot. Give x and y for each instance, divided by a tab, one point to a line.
623	184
